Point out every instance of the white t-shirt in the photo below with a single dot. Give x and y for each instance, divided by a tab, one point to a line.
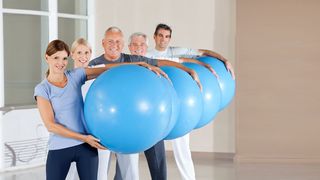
173	53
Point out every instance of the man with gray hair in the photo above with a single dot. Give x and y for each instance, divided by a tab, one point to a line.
156	156
138	45
113	44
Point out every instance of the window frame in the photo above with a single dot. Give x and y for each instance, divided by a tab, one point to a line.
53	16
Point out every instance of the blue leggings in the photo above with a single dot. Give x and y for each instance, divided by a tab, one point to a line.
85	156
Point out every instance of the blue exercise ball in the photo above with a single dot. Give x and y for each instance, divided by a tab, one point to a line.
211	93
175	105
190	98
226	82
128	108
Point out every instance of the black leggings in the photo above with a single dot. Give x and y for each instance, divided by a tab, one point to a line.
85	156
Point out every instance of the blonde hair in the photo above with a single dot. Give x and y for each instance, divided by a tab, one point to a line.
78	42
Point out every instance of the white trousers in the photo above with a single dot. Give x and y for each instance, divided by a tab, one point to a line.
182	155
128	164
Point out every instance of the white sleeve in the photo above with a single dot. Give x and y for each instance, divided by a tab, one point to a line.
174	59
185	52
85	87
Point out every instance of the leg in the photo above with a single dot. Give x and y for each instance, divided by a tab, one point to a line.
128	164
104	163
73	173
156	158
87	162
182	155
58	163
117	176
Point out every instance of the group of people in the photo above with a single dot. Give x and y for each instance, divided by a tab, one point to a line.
60	102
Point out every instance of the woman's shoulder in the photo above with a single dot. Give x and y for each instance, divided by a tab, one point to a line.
75	72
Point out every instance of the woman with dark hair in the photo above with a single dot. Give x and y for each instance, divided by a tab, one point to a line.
60	103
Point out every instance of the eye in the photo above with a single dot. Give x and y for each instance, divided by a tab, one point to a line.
56	57
78	52
65	58
87	52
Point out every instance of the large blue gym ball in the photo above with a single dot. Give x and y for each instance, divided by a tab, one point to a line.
128	108
190	102
211	93
175	105
226	82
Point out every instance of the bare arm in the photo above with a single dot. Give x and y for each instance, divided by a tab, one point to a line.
192	73
94	72
228	65
182	60
47	117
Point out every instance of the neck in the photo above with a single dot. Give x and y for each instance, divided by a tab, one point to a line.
160	49
56	77
109	58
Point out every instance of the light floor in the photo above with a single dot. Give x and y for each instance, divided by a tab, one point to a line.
207	168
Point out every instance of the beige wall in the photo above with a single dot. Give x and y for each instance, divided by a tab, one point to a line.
193	24
278	50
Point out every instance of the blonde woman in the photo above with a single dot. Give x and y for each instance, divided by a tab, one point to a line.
81	52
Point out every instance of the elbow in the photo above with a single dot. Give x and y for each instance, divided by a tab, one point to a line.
51	128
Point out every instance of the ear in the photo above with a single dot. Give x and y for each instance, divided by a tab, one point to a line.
46	56
102	42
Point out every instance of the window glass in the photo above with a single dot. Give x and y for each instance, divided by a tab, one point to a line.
25	40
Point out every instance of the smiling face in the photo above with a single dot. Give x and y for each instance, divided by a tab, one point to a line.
113	45
138	46
81	56
57	62
162	39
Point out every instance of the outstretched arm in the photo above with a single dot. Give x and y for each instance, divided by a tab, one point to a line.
94	72
192	73
182	60
228	65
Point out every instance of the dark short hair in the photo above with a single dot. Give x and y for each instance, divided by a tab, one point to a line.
162	26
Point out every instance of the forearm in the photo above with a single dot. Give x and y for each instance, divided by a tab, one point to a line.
162	62
205	52
95	72
65	132
182	60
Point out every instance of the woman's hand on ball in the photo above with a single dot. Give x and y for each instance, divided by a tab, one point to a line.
94	142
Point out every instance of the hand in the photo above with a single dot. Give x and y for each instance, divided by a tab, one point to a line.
94	142
230	69
195	77
211	69
155	69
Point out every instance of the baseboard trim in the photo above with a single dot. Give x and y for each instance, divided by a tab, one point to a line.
248	159
211	155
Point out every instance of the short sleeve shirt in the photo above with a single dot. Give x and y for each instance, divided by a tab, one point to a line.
67	105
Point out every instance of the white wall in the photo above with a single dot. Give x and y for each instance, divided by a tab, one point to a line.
203	24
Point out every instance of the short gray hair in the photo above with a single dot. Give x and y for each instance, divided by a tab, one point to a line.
113	29
138	34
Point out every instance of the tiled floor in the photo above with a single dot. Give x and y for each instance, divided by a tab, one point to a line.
207	168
